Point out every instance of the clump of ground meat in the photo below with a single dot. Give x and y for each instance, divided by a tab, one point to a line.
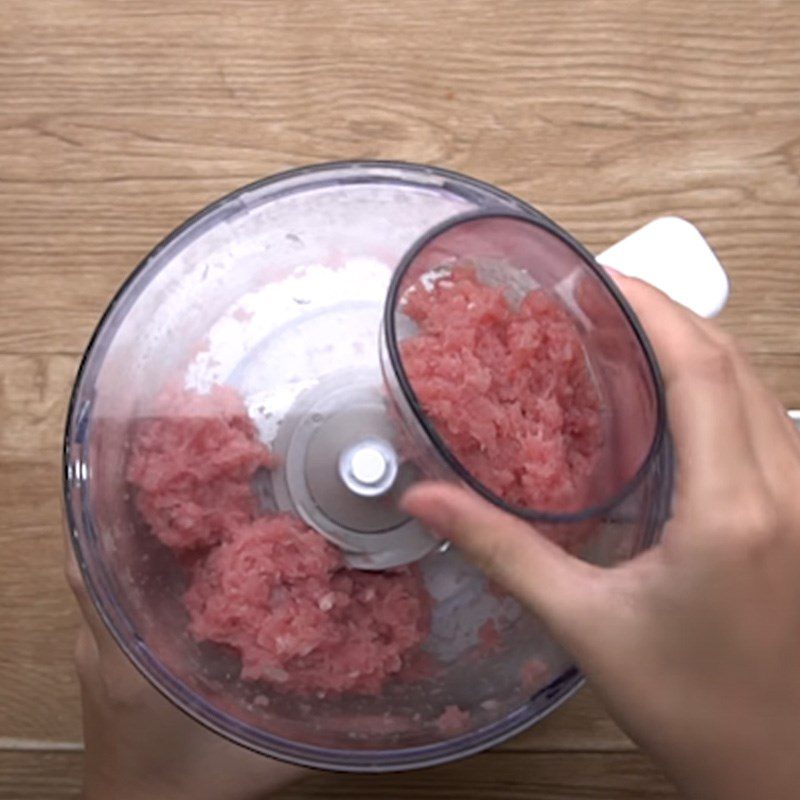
267	585
507	386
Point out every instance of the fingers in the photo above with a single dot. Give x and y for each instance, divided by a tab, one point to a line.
708	414
75	581
74	578
511	552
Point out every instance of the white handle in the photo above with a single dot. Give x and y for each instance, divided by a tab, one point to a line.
672	255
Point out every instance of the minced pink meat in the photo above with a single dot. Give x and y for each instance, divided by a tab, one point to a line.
533	673
489	638
453	720
268	586
279	593
508	388
192	463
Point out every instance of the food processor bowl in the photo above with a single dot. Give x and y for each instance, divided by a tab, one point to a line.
270	303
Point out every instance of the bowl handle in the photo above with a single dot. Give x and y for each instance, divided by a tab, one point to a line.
672	254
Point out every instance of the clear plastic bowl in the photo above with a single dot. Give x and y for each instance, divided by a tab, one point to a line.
279	291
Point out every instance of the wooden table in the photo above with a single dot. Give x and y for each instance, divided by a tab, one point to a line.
119	118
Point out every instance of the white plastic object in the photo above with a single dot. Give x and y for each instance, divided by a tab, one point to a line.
369	468
368	465
672	255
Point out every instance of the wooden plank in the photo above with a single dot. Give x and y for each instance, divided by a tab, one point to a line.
604	51
38	689
38	692
82	270
493	776
34	392
40	775
99	161
580	724
517	776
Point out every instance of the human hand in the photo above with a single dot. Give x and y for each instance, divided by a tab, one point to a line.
694	646
138	746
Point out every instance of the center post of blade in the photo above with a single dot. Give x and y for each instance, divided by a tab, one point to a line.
369	468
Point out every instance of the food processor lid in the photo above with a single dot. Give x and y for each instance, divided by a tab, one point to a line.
522	256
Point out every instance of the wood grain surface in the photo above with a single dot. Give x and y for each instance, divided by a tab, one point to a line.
119	118
492	776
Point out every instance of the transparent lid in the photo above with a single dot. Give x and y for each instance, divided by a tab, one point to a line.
522	365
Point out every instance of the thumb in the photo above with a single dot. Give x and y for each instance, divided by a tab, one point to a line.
552	583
